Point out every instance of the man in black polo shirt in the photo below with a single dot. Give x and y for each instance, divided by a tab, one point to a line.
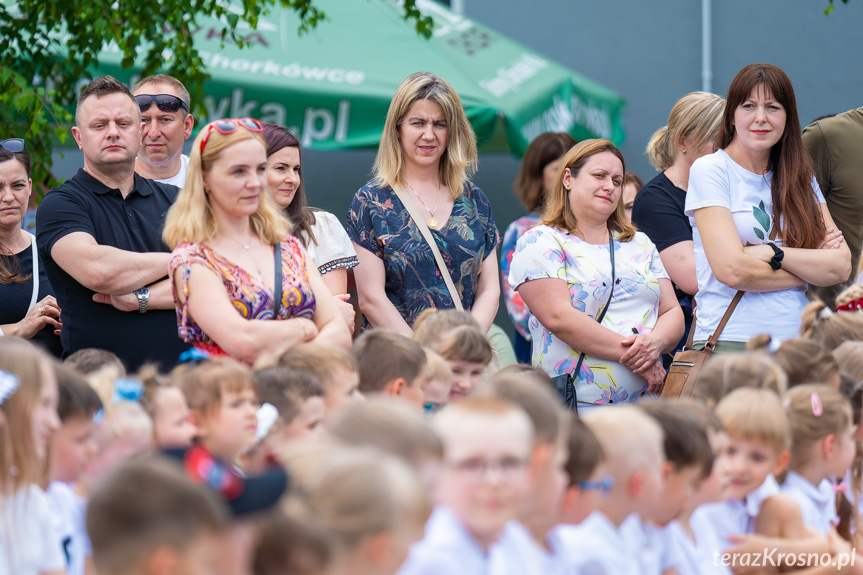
100	237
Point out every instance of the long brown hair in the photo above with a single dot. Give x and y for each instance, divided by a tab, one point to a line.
10	267
298	211
558	214
794	206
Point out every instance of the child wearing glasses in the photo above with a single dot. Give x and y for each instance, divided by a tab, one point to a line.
632	442
482	485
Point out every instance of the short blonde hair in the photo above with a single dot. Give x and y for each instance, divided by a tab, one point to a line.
191	219
206	383
446	424
755	414
389	426
356	493
628	436
459	159
726	372
322	361
695	119
557	212
454	335
436	367
849	356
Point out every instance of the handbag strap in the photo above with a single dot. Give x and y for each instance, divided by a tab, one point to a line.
34	297
599	317
277	257
426	233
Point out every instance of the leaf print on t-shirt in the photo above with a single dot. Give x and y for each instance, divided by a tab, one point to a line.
763	219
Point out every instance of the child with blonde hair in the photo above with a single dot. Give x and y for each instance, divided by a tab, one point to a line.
482	485
726	372
849	357
28	405
822	450
457	338
437	382
223	402
829	328
335	369
372	504
633	445
803	360
165	403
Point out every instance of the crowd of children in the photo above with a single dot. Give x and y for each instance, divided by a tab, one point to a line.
421	457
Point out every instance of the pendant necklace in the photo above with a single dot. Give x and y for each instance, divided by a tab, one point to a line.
246	247
432	222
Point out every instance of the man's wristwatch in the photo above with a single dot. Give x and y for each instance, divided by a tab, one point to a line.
778	254
143	299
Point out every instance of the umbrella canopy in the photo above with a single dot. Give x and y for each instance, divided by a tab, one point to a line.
333	85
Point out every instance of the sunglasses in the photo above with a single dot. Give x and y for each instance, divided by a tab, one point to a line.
603	485
229	126
14	145
165	102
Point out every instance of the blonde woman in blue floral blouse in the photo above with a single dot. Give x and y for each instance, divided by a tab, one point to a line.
563	271
429	150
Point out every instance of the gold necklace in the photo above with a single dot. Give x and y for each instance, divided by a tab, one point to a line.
432	223
246	247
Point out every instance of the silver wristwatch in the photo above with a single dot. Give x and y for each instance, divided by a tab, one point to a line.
143	299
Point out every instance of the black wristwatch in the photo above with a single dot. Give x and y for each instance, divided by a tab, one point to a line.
778	254
143	299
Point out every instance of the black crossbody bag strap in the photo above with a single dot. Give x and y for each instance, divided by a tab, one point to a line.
277	256
573	375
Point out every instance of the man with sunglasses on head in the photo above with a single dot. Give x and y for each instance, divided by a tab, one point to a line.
100	238
164	103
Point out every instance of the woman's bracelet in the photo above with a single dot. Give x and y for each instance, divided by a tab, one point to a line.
776	261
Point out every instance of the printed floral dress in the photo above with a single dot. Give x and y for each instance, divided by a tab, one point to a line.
379	222
546	252
251	298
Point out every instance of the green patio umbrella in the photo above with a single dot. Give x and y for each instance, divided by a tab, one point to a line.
333	86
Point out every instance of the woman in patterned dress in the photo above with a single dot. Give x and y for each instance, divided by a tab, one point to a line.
562	269
428	149
222	229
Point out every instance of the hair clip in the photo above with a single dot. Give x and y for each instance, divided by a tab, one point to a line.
127	390
853	305
193	355
8	385
267	416
817	408
840	487
825	313
773	345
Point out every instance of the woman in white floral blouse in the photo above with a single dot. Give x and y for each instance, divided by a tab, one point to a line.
563	271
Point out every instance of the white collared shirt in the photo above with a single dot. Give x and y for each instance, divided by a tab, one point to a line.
688	557
817	503
447	548
518	553
714	522
648	540
596	547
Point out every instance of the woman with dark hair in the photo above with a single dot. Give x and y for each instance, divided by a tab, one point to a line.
602	307
538	169
27	305
759	220
321	233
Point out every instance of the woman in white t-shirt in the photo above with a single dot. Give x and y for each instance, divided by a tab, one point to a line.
759	220
28	419
325	239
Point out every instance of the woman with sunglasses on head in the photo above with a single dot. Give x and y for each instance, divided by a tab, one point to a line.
321	232
426	154
226	233
27	305
759	220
